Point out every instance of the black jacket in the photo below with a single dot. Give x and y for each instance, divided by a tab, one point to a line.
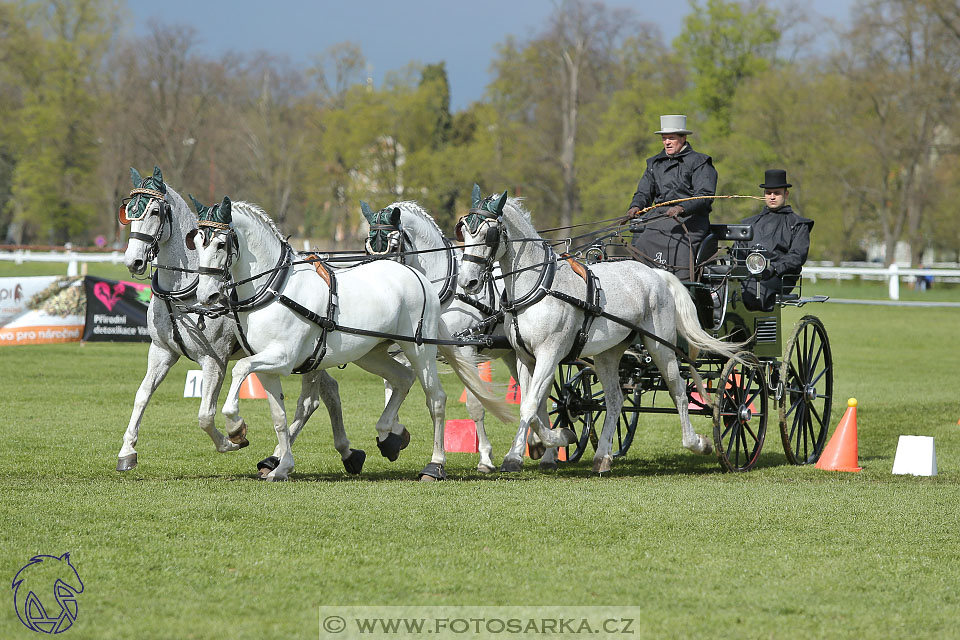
784	236
685	174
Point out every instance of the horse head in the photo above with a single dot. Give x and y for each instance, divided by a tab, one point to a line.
149	215
385	234
481	230
217	244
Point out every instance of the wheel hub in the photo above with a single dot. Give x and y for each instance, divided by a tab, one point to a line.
744	414
809	393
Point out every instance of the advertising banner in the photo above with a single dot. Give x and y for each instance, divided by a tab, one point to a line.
40	310
116	310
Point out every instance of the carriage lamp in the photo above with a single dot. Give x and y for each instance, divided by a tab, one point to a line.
756	263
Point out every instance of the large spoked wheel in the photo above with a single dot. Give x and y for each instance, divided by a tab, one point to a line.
626	425
740	414
807	375
572	404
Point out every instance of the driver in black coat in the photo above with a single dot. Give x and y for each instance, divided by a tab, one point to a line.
669	237
783	236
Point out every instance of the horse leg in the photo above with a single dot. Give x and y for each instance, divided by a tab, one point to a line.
423	358
320	384
549	460
388	392
392	437
534	397
607	365
669	368
513	461
213	375
159	362
271	384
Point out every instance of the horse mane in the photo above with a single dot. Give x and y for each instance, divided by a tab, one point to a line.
520	216
255	211
419	212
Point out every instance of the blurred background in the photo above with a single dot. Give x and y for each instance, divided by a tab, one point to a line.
308	107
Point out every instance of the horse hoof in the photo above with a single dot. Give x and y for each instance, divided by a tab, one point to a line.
707	446
536	450
404	439
125	463
511	466
265	466
433	472
239	436
568	435
603	465
548	466
391	446
485	468
354	462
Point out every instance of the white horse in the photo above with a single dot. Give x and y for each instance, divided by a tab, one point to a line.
291	317
543	326
159	220
406	230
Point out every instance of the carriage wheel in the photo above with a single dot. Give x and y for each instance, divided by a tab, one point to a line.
571	404
807	374
740	414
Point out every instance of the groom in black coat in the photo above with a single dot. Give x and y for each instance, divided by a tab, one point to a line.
783	236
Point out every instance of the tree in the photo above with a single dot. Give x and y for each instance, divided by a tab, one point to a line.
723	44
55	150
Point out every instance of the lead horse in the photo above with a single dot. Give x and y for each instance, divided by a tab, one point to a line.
159	219
557	310
303	318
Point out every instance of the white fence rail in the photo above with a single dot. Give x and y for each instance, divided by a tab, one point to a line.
892	274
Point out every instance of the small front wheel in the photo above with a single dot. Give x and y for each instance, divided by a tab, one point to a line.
740	414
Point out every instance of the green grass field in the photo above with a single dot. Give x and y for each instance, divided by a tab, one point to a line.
190	545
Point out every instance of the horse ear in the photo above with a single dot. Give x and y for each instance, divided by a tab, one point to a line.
498	205
395	217
158	175
367	212
135	177
225	207
476	196
196	205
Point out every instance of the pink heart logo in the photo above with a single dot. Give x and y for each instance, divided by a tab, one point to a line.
109	298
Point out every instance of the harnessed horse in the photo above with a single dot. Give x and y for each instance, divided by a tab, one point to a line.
366	307
553	314
157	215
405	230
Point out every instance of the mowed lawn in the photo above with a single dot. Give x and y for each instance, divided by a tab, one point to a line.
190	545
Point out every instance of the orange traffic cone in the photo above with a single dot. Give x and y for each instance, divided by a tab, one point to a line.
485	369
513	392
840	454
251	389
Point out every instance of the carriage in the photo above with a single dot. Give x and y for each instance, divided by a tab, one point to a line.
786	375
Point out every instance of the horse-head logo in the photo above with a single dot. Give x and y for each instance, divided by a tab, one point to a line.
45	593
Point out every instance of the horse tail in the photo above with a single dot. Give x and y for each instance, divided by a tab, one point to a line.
688	324
466	369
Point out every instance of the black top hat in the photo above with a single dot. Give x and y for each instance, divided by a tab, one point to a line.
775	179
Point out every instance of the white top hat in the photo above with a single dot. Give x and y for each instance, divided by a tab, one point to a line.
674	124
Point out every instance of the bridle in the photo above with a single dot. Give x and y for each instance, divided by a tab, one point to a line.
395	240
165	214
209	231
492	237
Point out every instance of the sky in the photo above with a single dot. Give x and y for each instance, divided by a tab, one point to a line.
392	33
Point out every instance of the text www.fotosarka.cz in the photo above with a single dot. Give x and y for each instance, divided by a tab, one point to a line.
344	622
